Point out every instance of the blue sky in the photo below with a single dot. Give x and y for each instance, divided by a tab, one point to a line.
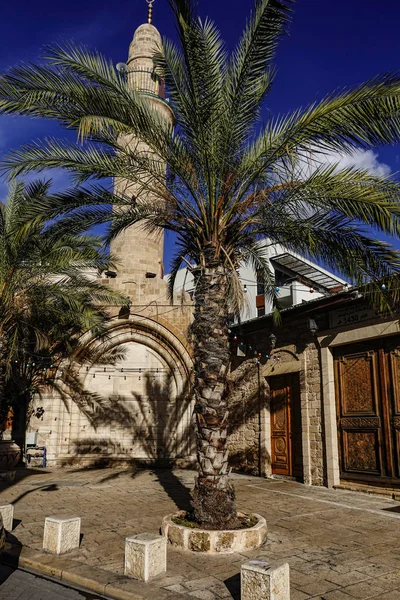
332	43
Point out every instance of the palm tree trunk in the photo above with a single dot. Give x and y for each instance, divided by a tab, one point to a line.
213	497
4	404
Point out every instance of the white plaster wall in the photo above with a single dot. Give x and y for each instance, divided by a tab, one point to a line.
135	411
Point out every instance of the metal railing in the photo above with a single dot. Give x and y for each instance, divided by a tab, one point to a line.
147	81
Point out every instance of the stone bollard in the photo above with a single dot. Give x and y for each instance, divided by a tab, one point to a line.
145	556
61	534
261	581
7	513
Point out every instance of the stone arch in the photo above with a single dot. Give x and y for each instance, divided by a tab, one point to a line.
164	339
135	411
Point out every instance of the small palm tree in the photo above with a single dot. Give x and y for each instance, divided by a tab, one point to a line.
47	302
232	180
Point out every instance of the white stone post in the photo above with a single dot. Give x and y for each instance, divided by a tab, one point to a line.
61	534
145	556
7	513
261	581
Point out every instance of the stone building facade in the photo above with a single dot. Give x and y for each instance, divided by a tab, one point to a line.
316	397
138	408
320	400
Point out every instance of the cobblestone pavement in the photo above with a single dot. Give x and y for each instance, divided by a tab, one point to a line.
19	585
340	545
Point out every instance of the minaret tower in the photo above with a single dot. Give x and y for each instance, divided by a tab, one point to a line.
139	253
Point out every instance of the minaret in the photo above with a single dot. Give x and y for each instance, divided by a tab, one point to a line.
140	254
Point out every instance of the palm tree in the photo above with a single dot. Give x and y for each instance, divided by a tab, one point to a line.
232	180
47	303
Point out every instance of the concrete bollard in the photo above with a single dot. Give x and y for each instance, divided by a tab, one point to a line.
145	556
7	513
261	581
61	534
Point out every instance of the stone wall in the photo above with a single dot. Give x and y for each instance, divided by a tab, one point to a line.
296	351
136	409
246	398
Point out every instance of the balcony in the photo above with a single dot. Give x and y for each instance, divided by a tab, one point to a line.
146	81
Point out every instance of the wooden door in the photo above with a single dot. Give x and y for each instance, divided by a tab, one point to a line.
392	393
286	440
367	380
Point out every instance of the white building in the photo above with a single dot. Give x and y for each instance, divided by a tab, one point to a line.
296	280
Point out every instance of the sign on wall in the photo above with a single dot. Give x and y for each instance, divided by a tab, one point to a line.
351	315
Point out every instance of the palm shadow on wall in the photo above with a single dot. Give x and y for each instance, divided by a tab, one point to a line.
154	423
248	395
160	431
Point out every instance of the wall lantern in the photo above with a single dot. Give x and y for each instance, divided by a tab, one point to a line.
312	326
272	341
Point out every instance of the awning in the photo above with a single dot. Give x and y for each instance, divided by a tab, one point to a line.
292	265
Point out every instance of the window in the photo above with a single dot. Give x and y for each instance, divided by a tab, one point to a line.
281	278
260	283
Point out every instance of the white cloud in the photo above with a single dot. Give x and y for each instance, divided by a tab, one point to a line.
360	159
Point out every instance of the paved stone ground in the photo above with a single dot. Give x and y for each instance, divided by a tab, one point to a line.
340	545
19	585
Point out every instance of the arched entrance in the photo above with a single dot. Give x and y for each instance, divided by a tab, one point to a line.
138	408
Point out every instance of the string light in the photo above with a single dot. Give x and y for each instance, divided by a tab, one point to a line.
383	287
245	288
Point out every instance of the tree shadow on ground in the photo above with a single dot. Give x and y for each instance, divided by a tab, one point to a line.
40	488
10	563
233	585
175	489
22	473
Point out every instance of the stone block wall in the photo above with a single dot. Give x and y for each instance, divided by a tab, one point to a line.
138	408
296	351
246	400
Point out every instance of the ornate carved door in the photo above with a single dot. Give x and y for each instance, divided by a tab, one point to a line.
368	410
392	392
286	447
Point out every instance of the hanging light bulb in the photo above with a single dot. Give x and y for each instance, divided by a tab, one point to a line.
311	290
383	287
277	289
245	288
235	338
